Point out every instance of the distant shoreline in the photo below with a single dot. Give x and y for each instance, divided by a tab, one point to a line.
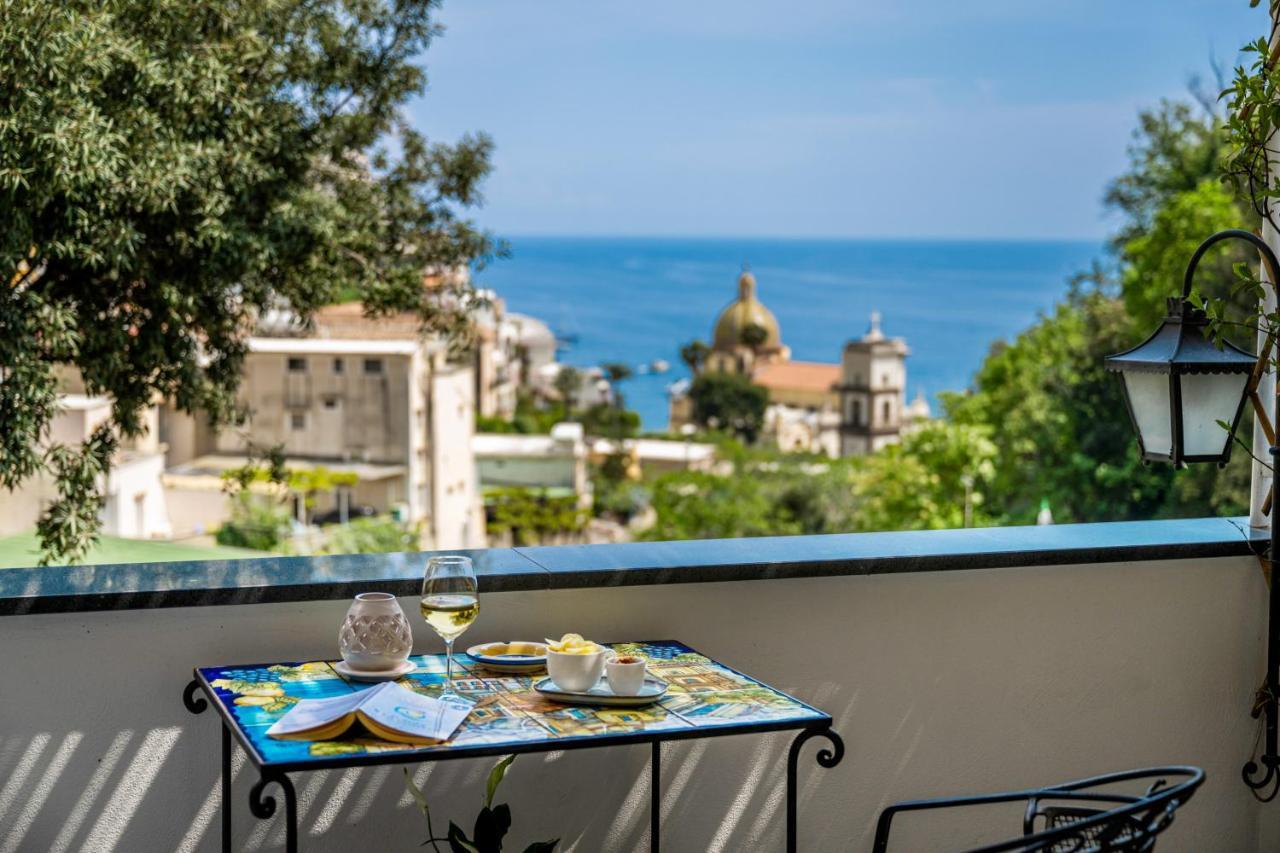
1100	241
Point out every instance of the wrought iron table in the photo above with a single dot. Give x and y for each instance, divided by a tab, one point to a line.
705	699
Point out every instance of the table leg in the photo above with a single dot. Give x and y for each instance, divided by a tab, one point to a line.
826	757
226	789
197	704
655	795
264	807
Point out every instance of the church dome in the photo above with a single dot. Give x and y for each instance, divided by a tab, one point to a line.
742	313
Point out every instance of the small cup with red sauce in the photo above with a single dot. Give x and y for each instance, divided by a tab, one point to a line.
625	674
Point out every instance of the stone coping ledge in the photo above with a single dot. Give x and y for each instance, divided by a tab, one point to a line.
70	589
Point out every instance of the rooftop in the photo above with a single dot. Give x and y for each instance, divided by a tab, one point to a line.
214	464
330	346
814	376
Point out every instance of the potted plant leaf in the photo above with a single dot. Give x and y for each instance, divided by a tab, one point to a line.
491	824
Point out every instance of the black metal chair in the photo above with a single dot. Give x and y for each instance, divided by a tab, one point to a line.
1084	816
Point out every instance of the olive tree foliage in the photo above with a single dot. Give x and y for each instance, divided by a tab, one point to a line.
171	168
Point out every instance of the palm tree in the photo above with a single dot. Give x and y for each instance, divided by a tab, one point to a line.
694	354
567	382
617	373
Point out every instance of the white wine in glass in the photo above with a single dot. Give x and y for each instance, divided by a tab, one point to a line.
450	603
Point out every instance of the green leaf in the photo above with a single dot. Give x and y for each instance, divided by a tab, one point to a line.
496	776
542	846
418	797
491	827
458	841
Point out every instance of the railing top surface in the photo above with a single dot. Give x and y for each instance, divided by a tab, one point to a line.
281	579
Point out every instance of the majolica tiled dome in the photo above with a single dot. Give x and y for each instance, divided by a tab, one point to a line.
745	311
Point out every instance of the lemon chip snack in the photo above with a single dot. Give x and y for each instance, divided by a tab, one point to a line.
573	644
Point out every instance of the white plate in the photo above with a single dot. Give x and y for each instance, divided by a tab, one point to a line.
373	674
652	690
495	656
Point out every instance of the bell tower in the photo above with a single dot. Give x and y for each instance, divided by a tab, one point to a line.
873	376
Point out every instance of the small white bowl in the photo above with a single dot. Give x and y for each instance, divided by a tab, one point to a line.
576	672
625	679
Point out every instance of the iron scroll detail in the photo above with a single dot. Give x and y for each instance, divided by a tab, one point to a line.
191	697
263	806
1259	783
827	757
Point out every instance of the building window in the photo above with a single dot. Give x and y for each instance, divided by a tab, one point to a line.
888	412
855	413
339	366
373	366
331	402
297	365
297	421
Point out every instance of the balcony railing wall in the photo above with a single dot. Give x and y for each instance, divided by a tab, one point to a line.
941	682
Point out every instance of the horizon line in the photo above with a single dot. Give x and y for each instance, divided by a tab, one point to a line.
548	235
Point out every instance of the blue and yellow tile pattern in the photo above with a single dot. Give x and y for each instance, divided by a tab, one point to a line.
702	694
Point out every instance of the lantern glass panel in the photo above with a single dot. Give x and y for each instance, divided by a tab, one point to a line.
1206	399
1149	398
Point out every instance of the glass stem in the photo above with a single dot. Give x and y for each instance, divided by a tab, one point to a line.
448	666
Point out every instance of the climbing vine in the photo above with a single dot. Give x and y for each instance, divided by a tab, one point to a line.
1252	133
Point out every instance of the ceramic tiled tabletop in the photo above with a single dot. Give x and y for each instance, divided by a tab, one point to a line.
704	697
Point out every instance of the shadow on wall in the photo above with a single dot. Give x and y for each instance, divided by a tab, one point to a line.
118	786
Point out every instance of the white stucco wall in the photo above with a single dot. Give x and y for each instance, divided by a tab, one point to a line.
456	517
136	505
940	683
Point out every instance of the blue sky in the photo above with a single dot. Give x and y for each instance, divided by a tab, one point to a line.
818	118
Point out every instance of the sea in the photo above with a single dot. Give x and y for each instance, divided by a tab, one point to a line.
637	300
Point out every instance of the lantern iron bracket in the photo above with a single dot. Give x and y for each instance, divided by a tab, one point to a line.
1263	774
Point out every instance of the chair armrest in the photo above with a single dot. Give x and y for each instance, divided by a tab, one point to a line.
883	824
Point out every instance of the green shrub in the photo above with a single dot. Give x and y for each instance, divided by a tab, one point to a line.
256	522
379	535
530	515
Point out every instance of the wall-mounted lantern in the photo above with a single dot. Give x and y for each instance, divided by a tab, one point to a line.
1181	390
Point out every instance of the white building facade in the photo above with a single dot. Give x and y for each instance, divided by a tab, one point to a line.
390	409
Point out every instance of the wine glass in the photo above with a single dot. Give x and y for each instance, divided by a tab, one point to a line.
450	603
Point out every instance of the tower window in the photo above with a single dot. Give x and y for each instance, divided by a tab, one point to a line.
297	365
855	412
888	412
